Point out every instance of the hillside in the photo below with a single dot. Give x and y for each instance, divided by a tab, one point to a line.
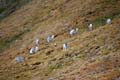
91	56
9	6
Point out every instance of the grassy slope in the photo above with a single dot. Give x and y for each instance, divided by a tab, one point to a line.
95	58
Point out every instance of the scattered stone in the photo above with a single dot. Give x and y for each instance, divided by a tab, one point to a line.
68	55
33	68
17	76
37	63
52	79
49	52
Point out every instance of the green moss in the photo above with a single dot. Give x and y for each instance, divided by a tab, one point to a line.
80	56
2	9
55	66
3	45
8	41
102	21
111	1
105	51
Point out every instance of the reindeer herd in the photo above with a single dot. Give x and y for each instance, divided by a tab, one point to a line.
50	38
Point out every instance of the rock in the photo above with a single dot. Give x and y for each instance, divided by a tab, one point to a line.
52	79
49	52
37	63
17	76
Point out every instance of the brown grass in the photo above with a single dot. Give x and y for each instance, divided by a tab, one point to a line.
91	56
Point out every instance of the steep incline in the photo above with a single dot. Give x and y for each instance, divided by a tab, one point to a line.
91	56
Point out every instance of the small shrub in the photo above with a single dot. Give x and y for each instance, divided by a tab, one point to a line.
8	41
1	10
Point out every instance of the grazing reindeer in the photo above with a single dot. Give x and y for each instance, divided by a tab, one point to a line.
73	31
50	38
108	21
19	59
32	50
37	42
90	27
65	46
36	49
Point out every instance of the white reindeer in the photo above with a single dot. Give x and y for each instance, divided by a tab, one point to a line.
90	27
32	50
73	31
36	49
108	21
50	38
37	42
65	46
19	59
